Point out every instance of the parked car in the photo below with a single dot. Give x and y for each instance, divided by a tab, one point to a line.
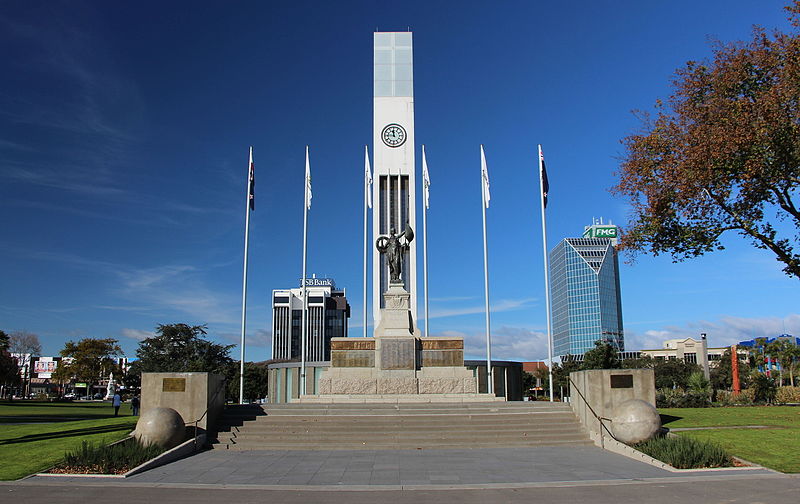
71	395
98	396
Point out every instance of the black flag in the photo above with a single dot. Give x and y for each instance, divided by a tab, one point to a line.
545	182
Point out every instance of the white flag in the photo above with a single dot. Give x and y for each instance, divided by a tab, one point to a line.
368	176
426	180
308	181
485	179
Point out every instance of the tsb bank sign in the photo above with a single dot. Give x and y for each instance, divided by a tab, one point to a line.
601	232
320	282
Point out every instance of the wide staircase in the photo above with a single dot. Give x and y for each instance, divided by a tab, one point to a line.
398	426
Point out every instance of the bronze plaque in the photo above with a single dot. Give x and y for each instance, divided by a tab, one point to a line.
352	358
354	344
173	385
441	358
622	381
445	344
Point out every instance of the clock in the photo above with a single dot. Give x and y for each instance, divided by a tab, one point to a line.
393	135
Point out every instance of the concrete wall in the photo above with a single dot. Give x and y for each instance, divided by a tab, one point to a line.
190	394
602	390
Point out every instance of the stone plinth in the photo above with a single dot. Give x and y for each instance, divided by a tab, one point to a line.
397	362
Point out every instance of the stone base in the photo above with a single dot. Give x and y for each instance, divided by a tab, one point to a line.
360	381
396	398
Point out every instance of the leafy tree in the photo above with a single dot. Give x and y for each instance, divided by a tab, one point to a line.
643	362
561	372
9	372
255	380
787	354
722	373
722	155
528	382
603	356
764	388
673	373
181	348
91	360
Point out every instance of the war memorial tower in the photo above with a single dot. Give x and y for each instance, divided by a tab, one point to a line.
393	150
396	364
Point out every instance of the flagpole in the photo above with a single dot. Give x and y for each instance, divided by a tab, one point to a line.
366	245
303	331
244	276
489	384
546	277
425	182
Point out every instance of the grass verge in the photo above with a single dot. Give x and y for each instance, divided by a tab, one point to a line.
776	447
26	448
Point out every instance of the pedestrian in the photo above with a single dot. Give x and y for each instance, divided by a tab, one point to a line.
135	405
116	401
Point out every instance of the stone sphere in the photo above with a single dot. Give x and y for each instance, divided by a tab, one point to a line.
635	421
161	426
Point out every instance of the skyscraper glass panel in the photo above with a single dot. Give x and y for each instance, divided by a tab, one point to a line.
585	295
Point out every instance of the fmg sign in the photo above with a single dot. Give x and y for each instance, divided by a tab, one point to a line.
601	232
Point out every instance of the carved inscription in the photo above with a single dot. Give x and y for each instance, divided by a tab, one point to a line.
398	353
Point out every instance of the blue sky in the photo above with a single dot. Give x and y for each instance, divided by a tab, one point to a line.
124	130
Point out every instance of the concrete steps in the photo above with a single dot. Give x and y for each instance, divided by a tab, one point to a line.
398	426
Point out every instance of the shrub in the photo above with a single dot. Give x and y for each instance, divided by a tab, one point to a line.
685	452
678	398
118	458
743	398
786	395
764	389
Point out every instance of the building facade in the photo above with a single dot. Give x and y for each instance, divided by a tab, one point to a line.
586	304
327	316
393	190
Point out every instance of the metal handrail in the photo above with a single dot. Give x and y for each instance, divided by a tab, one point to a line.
219	389
598	417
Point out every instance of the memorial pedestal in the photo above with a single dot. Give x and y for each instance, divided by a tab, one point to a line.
397	364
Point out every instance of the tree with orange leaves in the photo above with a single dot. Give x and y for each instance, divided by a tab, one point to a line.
722	154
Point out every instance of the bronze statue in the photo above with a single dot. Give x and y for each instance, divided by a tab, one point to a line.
394	249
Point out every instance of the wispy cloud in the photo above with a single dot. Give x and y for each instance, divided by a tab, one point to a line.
728	330
508	343
136	334
259	338
500	306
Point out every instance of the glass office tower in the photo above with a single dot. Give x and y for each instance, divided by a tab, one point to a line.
585	297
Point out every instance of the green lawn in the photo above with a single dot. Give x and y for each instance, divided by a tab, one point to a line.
777	448
26	448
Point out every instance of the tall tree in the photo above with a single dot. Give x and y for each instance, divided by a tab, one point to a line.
722	155
24	342
9	372
89	360
603	356
181	348
787	354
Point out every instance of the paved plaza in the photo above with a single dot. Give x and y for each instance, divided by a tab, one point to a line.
405	468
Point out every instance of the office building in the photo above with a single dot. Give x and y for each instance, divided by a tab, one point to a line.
327	316
585	296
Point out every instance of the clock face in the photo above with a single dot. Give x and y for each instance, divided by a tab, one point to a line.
393	135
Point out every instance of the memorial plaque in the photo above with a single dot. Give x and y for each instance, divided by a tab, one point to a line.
173	385
622	381
441	358
398	353
352	358
442	344
354	344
